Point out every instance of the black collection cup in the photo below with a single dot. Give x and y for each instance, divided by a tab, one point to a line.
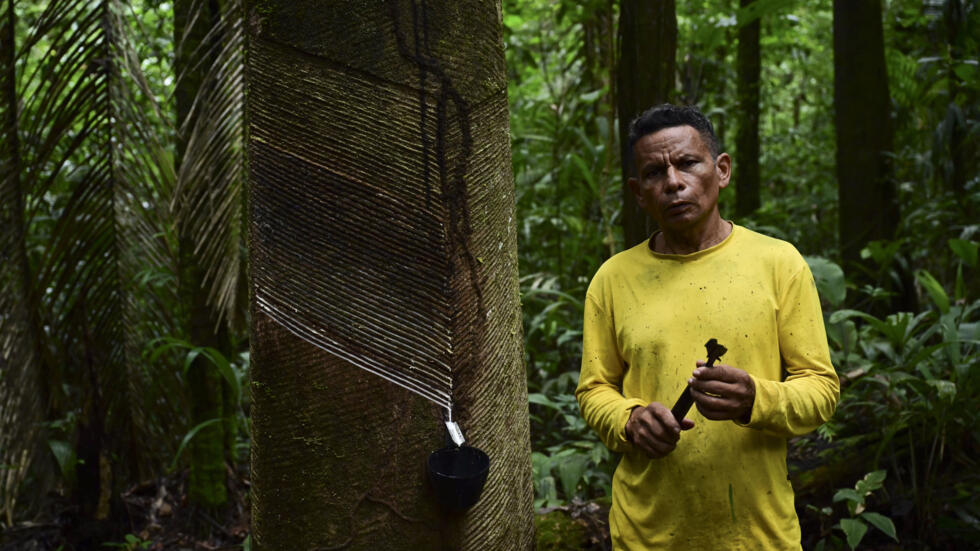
457	475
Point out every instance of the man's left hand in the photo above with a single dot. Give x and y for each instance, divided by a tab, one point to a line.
723	392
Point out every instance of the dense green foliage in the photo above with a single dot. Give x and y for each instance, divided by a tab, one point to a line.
910	389
899	457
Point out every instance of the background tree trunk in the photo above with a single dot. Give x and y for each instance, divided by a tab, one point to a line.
747	140
645	73
962	99
21	390
195	52
868	207
380	173
600	58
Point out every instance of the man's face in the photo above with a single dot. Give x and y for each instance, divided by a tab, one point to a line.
678	181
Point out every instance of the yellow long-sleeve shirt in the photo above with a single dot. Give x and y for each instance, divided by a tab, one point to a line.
647	317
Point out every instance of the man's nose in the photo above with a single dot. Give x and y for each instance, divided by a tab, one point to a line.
673	179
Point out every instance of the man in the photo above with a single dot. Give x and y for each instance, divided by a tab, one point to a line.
648	313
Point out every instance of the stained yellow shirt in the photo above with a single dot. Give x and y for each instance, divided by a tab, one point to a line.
647	318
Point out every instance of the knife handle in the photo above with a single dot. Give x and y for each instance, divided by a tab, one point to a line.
683	405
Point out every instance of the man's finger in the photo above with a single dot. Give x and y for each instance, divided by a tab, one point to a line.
725	373
713	388
647	426
654	430
658	430
720	401
665	417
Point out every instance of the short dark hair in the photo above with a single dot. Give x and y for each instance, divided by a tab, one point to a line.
667	115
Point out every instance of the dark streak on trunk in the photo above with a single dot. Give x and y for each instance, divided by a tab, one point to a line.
645	77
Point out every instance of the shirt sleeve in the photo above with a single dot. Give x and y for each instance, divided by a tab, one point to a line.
808	396
600	386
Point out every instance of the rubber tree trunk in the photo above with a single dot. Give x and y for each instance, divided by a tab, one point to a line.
866	191
379	159
194	58
645	74
749	65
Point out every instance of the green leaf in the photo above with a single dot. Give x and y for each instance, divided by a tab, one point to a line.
64	454
542	400
540	465
190	435
586	172
935	290
548	490
965	71
872	481
959	289
829	278
512	21
224	367
945	389
570	472
848	494
598	454
882	523
854	529
966	250
168	344
846	314
590	97
189	359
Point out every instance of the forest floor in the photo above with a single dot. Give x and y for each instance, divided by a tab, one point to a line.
155	516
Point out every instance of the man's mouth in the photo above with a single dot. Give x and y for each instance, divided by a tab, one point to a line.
677	206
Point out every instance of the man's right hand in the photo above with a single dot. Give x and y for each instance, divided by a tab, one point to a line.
654	430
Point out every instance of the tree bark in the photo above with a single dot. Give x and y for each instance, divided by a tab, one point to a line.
868	207
645	73
21	390
961	100
381	201
747	139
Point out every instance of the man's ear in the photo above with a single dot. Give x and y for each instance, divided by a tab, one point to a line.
723	164
635	188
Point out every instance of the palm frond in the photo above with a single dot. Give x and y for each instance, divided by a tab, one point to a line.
97	180
207	203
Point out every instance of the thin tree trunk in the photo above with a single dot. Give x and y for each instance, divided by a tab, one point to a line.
607	182
646	73
195	56
868	207
381	206
21	393
747	140
960	99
